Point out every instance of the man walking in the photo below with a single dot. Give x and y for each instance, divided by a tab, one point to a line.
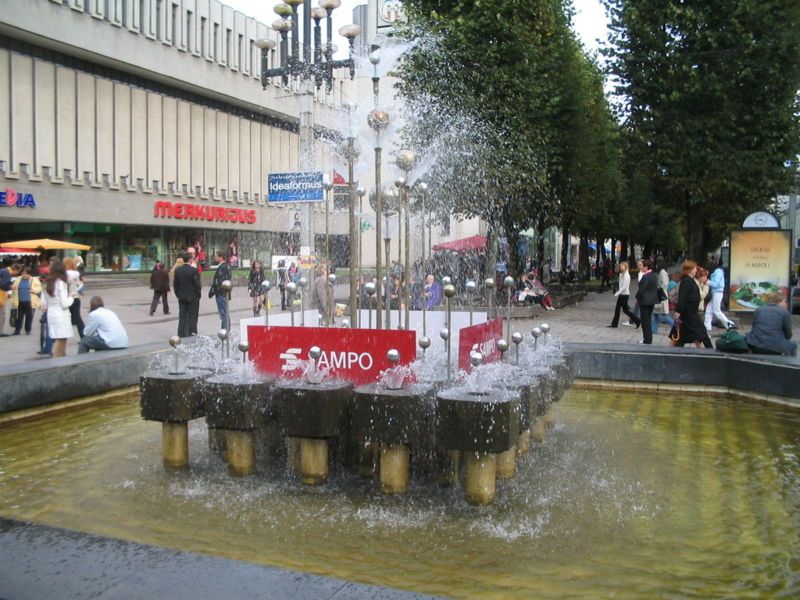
103	329
187	287
223	273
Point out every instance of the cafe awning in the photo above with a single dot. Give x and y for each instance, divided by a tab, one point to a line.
469	244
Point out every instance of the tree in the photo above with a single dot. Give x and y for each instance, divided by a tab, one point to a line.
709	89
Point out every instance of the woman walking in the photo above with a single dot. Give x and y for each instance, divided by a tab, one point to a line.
647	298
255	290
159	283
27	291
58	302
75	285
622	294
690	327
283	279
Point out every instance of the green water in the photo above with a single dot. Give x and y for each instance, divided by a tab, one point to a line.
630	496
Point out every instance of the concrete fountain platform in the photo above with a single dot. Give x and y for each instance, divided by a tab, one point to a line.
48	563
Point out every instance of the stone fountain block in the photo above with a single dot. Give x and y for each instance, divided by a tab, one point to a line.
172	397
233	402
525	394
312	410
392	416
476	423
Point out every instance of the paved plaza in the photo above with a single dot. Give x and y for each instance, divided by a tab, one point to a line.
584	322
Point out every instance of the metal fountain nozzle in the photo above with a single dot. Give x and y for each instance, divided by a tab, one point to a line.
361	191
266	285
346	323
378	119
476	358
536	332
471	286
489	283
508	282
424	342
423	187
449	290
175	341
502	345
244	347
393	356
291	287
444	333
226	286
516	337
406	159
303	282
545	328
370	288
314	352
375	57
400	182
222	334
447	280
332	278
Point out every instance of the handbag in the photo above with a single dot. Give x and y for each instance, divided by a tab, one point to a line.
12	321
732	341
662	295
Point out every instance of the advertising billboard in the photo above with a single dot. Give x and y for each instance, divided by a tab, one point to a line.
295	187
760	265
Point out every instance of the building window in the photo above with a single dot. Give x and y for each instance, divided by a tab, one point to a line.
228	47
175	26
216	42
141	17
252	55
189	30
124	13
158	18
240	57
203	33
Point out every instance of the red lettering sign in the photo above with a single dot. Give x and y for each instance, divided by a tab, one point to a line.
199	212
355	355
483	338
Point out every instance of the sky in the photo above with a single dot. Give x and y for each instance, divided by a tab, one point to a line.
590	19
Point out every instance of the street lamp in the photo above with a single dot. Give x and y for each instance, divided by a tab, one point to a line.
378	120
306	67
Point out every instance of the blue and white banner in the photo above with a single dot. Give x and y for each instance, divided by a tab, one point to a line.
295	187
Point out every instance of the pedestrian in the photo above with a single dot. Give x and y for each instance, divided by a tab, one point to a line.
159	283
254	288
608	273
714	308
103	330
689	328
647	298
319	295
7	273
223	273
432	292
623	294
27	292
661	311
187	287
58	301
639	273
75	286
772	328
283	279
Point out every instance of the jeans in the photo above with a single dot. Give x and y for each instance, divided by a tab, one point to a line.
92	342
45	341
714	308
25	311
661	318
222	309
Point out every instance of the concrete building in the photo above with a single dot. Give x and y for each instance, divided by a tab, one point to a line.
140	126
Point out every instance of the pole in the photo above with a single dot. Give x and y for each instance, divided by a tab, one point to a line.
424	270
388	243
449	337
353	241
407	191
378	224
306	158
327	227
792	221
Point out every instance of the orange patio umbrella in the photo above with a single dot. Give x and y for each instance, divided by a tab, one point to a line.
45	244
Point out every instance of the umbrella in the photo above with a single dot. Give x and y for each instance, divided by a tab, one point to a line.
476	242
17	252
45	244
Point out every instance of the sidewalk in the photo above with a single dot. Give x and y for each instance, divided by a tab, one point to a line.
584	323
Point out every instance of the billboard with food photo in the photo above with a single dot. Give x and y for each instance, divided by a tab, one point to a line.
760	265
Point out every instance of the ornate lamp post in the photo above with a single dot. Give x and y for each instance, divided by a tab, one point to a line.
307	68
378	120
405	160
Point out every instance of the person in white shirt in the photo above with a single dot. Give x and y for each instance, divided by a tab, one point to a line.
622	294
103	330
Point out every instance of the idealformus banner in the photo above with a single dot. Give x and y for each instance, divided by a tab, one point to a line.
295	187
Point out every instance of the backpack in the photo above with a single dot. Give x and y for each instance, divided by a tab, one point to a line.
732	341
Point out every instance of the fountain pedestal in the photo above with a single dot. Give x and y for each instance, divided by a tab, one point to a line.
235	407
482	426
314	413
174	399
396	419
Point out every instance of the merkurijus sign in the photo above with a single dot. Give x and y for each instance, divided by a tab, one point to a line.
200	212
10	197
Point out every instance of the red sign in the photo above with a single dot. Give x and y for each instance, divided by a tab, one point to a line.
483	338
355	355
201	212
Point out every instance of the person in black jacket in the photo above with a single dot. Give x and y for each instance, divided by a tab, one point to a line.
159	283
187	287
691	329
223	273
647	297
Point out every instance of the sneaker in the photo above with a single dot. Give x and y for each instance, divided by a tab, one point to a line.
732	325
628	324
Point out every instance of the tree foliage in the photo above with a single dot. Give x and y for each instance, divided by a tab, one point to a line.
710	107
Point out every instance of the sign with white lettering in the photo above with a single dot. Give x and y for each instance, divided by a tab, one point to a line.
295	187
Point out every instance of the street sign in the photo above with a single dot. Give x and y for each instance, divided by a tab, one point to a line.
355	355
295	187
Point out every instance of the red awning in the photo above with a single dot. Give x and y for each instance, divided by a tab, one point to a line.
18	252
470	244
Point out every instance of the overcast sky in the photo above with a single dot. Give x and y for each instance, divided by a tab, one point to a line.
590	19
